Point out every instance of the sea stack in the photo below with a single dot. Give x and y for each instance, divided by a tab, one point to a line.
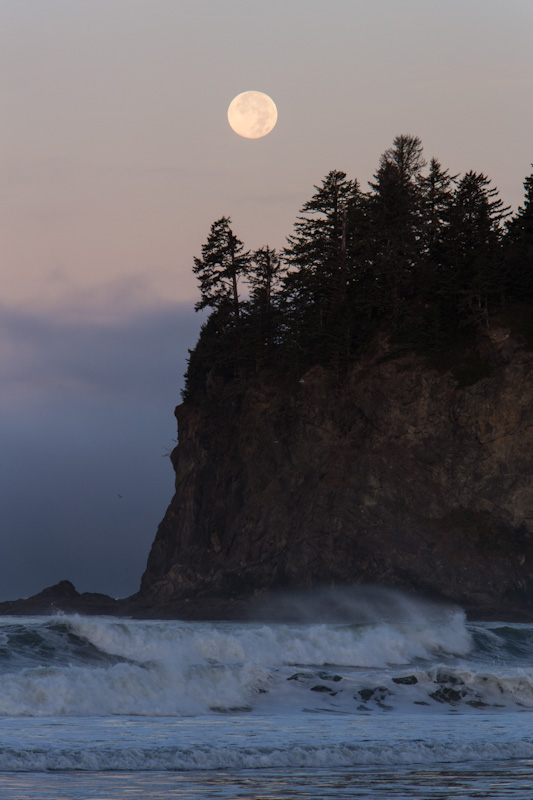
402	474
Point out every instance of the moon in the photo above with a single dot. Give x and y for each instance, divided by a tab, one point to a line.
252	114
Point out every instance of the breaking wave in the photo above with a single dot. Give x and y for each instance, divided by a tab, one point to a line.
418	660
258	757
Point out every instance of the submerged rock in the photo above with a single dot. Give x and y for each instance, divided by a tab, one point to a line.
446	694
406	680
378	694
326	676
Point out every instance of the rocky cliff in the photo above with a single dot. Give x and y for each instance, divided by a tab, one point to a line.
400	474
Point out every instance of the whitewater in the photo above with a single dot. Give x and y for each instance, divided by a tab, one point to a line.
382	699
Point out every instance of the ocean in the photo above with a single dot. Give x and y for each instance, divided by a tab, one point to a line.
396	700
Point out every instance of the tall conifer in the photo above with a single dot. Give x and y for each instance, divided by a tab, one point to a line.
519	247
223	262
319	257
393	213
474	273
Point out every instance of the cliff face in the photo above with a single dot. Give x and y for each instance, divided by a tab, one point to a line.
400	476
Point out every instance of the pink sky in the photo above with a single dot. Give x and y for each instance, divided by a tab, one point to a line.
115	151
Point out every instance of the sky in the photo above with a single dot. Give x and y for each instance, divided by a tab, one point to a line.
115	158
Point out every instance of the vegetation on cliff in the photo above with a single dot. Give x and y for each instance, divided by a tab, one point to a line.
423	256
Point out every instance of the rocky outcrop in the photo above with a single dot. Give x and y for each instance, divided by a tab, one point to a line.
62	597
401	475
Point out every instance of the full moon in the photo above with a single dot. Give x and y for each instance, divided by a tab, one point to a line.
252	114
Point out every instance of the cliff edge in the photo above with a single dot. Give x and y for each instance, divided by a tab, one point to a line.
400	474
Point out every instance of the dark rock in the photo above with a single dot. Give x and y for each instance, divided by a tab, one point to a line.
63	597
448	695
406	680
61	590
378	694
326	676
299	676
399	476
448	677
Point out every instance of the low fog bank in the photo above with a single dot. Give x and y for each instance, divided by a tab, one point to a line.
87	423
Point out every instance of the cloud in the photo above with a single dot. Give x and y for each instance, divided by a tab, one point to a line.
47	356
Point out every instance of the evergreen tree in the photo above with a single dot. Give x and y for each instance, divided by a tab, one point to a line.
318	249
474	275
223	262
219	355
406	154
433	317
418	256
319	256
436	198
519	247
264	275
393	218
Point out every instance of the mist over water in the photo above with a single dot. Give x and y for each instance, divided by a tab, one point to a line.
348	604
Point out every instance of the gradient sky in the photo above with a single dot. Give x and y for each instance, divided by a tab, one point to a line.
116	157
